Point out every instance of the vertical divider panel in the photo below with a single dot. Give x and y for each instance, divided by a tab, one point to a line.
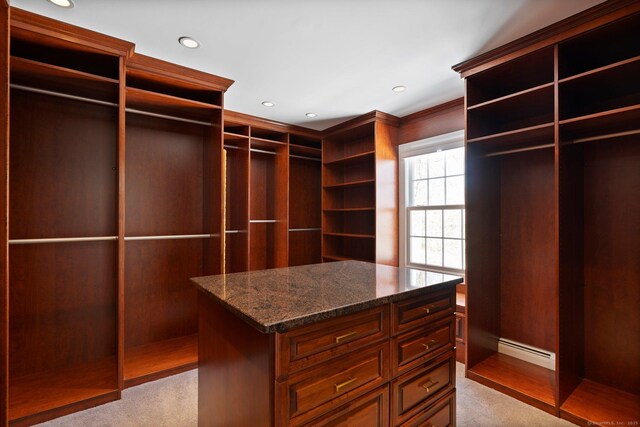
282	206
121	153
4	210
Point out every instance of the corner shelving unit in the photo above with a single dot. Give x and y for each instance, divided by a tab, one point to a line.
553	155
359	190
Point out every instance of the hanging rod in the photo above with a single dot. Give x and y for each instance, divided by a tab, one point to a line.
63	95
315	159
305	229
233	148
105	103
170	237
235	231
519	150
606	136
62	240
164	116
261	221
255	150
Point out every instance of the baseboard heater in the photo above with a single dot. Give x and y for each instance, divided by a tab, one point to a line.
528	353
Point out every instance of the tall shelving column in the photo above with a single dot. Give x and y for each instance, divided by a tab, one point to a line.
173	215
63	218
599	157
510	225
268	198
359	190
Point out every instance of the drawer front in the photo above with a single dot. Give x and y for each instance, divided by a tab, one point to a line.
419	388
324	387
316	343
370	410
442	414
422	344
416	312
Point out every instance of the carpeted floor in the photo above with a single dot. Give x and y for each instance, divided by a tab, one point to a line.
172	402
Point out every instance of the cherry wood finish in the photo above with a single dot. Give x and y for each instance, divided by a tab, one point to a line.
527	382
4	213
340	371
444	118
575	271
359	196
235	370
443	413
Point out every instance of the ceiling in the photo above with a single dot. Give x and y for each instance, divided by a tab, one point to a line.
336	58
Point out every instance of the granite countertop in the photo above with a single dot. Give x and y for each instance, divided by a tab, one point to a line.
280	299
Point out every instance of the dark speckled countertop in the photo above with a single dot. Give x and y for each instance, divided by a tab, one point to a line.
280	299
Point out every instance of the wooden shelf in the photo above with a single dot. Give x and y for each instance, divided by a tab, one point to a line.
596	403
303	150
351	184
42	396
612	121
360	236
607	70
351	159
527	382
350	209
25	72
344	258
529	136
160	103
160	359
234	136
267	144
511	100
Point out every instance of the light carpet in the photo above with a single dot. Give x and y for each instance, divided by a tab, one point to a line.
173	402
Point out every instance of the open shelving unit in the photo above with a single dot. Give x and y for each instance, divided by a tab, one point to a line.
273	194
553	148
173	221
358	216
63	224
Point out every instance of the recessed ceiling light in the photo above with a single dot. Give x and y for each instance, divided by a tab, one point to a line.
311	115
399	89
189	42
268	104
67	4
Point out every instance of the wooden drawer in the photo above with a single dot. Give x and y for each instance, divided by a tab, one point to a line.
369	410
419	388
441	414
422	344
310	345
416	312
315	391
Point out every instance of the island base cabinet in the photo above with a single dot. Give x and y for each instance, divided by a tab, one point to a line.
337	371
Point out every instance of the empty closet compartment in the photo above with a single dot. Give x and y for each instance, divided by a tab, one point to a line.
305	193
341	248
511	264
236	207
357	222
349	147
63	226
172	233
268	210
601	323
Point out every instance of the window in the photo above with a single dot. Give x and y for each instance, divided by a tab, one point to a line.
432	203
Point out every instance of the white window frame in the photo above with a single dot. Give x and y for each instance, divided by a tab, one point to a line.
424	146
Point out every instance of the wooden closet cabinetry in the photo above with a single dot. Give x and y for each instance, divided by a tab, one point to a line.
553	241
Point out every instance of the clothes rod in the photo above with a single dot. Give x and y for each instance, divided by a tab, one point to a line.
255	150
63	95
232	147
606	136
170	237
105	103
519	150
262	221
234	231
314	159
62	240
164	116
305	229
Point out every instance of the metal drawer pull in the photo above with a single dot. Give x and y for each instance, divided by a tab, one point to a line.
428	346
429	308
429	385
344	384
345	336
